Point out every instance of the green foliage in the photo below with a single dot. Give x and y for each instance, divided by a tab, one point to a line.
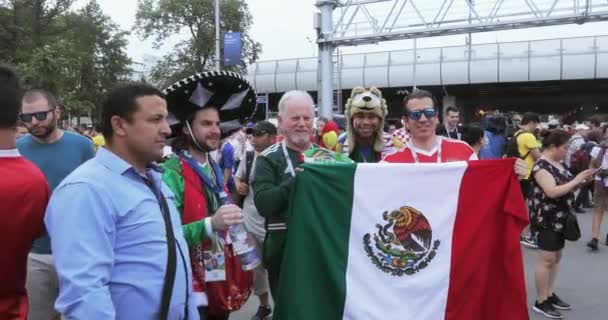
160	19
76	55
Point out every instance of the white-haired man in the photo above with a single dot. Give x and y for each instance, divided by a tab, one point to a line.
273	177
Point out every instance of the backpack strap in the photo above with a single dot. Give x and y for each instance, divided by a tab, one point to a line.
248	164
529	151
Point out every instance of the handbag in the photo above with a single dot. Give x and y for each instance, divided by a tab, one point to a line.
572	231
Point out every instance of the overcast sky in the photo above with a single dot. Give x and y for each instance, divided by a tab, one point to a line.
284	28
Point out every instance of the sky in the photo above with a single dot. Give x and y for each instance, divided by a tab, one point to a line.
284	27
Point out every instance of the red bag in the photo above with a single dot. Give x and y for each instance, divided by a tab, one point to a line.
224	296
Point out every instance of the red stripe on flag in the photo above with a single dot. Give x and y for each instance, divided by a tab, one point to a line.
487	273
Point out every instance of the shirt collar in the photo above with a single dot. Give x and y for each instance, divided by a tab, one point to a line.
9	153
118	165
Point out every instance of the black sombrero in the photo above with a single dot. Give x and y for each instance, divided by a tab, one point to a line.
232	94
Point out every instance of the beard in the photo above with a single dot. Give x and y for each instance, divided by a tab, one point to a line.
203	145
42	132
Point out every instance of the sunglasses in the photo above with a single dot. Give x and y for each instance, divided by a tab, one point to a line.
416	115
40	116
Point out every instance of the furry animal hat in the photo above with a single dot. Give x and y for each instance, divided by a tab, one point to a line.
366	100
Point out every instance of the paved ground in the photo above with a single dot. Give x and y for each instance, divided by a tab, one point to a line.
582	281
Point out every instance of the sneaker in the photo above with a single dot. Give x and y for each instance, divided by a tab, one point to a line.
264	313
529	242
547	309
558	303
579	210
592	244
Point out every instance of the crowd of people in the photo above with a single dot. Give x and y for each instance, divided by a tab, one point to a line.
128	220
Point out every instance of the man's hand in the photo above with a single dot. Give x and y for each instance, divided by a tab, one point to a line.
520	168
226	215
242	187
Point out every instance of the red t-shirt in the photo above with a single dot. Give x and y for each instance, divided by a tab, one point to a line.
24	195
451	150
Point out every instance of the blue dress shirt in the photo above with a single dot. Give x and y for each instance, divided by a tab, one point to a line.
109	244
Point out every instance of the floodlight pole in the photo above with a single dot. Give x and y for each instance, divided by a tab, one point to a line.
218	58
326	50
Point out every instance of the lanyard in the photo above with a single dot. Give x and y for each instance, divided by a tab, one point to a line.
458	134
415	154
216	188
288	160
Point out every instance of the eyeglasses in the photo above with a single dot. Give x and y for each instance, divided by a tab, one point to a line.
40	116
417	114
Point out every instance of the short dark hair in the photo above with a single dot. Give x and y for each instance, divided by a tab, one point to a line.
595	121
472	134
417	94
529	117
121	102
555	137
10	98
451	109
98	127
34	94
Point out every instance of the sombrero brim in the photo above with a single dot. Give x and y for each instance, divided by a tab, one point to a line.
232	94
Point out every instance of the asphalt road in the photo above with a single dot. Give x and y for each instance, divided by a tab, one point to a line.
582	280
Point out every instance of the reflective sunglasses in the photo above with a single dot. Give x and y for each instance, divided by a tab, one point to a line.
40	116
416	115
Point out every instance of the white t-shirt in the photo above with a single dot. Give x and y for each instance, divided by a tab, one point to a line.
254	222
596	152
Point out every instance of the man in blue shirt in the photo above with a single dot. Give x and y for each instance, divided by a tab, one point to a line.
57	153
116	234
494	134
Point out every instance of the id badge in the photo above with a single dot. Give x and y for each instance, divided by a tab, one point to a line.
215	262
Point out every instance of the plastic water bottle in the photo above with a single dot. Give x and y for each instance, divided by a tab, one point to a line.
242	244
243	247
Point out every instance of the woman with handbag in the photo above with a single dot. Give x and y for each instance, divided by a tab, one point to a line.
551	206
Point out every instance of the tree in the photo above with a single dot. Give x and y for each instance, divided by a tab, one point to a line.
76	55
161	19
28	24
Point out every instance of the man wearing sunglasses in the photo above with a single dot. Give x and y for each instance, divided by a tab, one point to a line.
57	153
424	145
24	197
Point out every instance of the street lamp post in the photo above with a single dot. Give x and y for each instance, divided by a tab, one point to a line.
218	61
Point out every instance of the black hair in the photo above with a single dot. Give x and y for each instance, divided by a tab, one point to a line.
595	121
529	117
10	98
451	109
417	94
472	134
122	102
555	137
34	94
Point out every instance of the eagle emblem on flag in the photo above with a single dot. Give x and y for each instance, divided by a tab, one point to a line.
404	245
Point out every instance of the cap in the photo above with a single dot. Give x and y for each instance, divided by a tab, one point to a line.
581	127
262	127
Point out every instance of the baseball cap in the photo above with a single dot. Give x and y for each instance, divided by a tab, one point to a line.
262	127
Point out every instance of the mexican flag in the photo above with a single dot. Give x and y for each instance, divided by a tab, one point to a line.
405	241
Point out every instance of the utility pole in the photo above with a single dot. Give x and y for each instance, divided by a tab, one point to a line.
326	50
218	58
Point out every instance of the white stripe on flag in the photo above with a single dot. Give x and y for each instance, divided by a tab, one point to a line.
433	190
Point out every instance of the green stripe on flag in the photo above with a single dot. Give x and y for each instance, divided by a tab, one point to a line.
313	279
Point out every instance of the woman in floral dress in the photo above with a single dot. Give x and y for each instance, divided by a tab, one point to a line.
551	202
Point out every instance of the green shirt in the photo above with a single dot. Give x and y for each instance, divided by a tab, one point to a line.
272	181
194	232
